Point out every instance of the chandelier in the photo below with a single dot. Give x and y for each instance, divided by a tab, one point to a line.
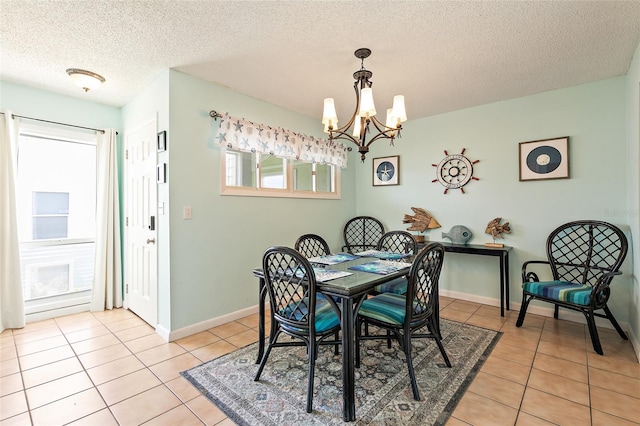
364	121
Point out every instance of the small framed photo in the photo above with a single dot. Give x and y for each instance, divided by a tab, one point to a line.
386	171
162	141
544	159
162	173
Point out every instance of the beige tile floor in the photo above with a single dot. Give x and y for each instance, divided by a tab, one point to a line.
111	368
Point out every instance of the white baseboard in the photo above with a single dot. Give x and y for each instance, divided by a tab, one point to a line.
170	336
635	341
470	297
163	332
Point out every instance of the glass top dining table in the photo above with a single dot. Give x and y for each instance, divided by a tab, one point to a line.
349	291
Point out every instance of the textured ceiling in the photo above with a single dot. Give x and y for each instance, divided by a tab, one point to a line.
442	56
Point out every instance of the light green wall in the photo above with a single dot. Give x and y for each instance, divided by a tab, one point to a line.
213	254
633	211
593	115
30	102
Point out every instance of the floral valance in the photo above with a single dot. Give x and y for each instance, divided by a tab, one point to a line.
244	135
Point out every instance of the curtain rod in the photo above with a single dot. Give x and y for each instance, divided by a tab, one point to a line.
56	122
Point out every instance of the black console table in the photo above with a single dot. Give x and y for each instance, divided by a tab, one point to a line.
500	252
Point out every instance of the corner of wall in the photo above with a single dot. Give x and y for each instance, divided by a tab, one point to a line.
633	140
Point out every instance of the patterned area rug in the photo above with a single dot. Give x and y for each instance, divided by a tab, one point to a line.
383	388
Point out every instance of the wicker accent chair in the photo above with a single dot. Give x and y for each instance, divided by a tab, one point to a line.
312	245
296	309
405	315
584	256
362	233
396	242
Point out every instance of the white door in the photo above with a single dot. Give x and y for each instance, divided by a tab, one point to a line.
141	276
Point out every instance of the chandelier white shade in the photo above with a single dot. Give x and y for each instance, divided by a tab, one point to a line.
87	80
364	121
367	108
398	108
329	117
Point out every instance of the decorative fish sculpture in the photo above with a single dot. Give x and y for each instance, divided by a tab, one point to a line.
421	220
496	230
459	234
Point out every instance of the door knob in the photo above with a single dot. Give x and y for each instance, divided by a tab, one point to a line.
151	240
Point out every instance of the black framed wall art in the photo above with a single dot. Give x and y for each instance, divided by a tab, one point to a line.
162	141
544	159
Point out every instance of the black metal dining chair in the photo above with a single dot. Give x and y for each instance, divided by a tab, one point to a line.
584	256
312	245
362	233
296	308
400	242
405	315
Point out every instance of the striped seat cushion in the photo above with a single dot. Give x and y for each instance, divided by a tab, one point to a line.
396	286
326	317
387	307
578	294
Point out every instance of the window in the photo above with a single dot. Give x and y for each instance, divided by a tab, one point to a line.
50	215
302	176
313	177
266	161
234	169
273	172
240	169
254	174
56	202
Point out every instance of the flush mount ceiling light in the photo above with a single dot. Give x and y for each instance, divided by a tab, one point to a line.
364	114
86	79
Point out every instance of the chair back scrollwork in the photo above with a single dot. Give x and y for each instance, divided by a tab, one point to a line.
422	290
312	245
362	233
582	251
291	284
398	242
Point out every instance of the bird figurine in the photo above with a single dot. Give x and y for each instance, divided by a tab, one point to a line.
496	230
420	221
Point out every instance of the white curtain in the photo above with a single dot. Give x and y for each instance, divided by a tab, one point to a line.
107	280
11	299
244	135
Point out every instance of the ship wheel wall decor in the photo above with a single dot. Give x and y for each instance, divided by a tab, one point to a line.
454	171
